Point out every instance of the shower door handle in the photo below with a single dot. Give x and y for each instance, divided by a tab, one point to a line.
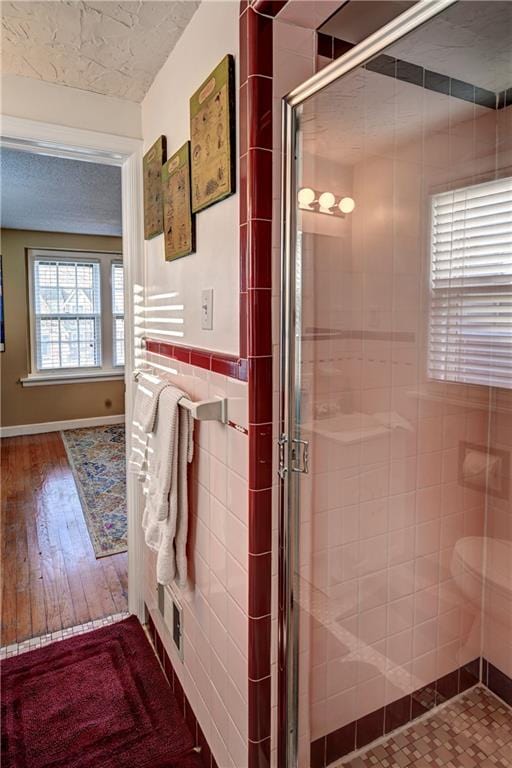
300	456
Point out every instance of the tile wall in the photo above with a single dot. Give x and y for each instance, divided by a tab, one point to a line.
214	671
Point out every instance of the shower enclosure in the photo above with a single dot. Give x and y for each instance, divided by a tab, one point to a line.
396	382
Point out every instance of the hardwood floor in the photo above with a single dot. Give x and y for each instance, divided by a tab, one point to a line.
50	577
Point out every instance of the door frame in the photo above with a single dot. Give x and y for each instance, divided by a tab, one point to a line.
108	149
290	375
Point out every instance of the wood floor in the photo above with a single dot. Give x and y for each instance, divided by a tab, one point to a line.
50	577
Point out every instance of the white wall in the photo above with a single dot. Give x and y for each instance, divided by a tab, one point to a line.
211	34
51	103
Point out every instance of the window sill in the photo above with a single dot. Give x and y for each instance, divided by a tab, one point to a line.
44	380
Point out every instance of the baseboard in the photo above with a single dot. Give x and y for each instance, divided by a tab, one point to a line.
57	426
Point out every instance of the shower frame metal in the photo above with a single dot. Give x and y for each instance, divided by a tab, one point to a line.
290	366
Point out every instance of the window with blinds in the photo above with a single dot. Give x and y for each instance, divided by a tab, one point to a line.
67	313
118	313
470	329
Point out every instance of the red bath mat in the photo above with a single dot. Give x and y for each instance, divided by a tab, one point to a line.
98	700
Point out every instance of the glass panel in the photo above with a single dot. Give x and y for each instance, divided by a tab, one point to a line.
404	355
66	290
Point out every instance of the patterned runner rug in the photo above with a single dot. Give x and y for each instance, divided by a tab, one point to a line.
97	459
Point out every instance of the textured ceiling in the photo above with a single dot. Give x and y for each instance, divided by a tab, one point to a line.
51	194
106	47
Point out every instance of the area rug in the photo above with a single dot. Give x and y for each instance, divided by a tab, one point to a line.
97	700
97	457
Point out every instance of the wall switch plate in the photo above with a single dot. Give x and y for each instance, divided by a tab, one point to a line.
207	309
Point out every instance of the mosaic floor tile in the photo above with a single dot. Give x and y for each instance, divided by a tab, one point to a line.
473	731
38	642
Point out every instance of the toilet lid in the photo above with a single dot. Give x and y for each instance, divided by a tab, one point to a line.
495	555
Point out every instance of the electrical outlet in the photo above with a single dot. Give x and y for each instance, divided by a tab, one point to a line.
207	309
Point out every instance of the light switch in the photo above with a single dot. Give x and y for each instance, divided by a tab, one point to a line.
207	309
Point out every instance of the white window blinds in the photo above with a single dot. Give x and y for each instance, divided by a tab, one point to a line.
118	313
470	332
67	313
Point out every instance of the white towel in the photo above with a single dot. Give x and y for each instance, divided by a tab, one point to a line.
145	406
165	519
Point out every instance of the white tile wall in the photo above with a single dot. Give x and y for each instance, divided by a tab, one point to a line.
214	670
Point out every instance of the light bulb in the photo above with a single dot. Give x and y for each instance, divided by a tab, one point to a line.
326	201
346	205
305	197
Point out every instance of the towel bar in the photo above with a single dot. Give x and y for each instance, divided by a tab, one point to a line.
202	410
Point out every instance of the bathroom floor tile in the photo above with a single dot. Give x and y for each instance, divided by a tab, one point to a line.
473	731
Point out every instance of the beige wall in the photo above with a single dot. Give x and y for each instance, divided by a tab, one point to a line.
31	405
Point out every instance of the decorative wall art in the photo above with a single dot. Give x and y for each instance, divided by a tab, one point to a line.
212	133
152	171
179	222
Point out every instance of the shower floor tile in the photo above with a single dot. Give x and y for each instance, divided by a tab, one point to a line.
474	731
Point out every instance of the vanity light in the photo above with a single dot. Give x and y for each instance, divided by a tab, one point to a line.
346	205
324	202
305	197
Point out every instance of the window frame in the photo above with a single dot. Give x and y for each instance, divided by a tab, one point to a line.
454	186
106	369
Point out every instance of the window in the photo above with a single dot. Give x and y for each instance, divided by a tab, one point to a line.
118	313
76	322
470	327
67	314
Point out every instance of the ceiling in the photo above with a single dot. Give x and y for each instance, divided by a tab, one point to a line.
52	194
364	111
470	41
111	48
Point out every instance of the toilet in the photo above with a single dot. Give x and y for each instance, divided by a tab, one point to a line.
480	563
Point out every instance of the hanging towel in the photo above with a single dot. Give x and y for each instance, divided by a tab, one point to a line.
165	519
145	407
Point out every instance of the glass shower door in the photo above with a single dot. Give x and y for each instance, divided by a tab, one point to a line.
396	380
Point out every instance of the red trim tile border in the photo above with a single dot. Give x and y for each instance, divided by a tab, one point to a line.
256	154
360	733
228	365
205	753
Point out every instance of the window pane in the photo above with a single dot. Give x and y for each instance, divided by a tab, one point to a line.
117	289
50	356
66	290
69	354
87	354
69	330
119	341
85	301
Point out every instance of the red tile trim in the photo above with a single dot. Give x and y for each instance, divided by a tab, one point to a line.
234	367
260	585
256	99
259	648
259	709
260	521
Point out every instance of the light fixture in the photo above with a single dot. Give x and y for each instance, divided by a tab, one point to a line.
324	202
346	205
305	197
